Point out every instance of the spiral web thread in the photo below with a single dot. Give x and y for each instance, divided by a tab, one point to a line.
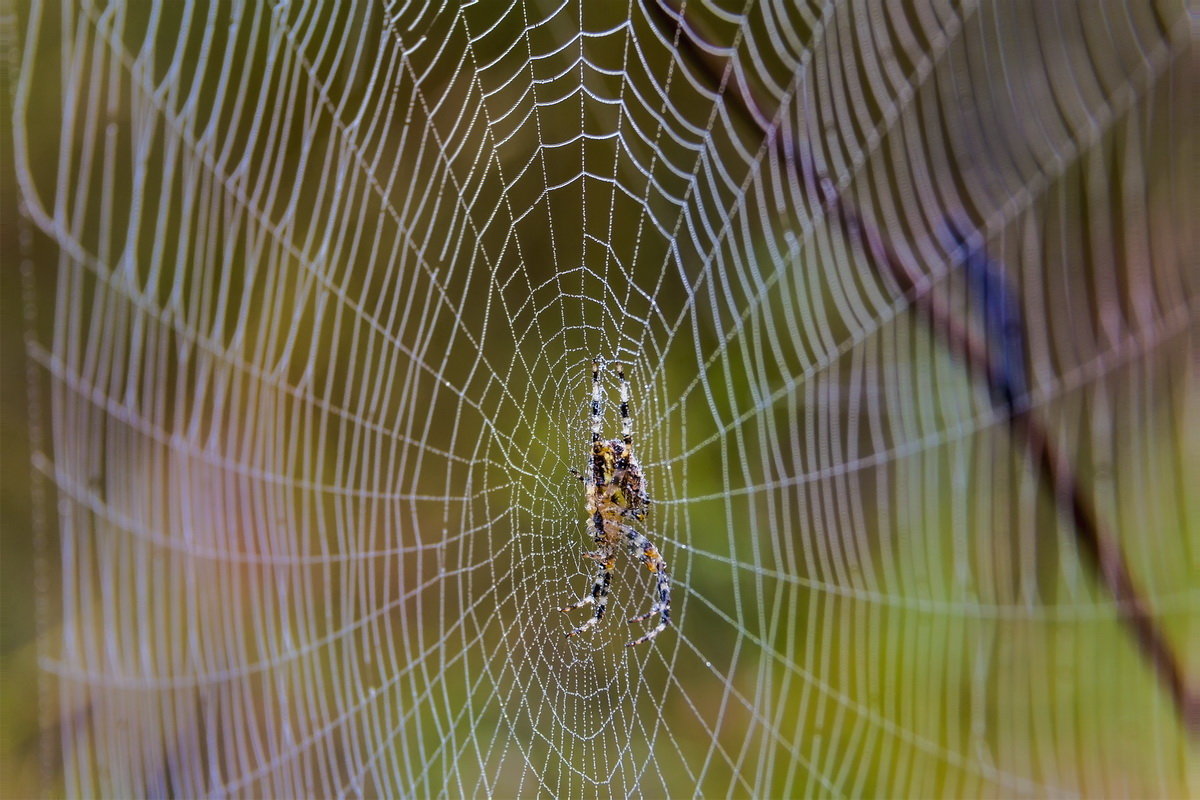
328	280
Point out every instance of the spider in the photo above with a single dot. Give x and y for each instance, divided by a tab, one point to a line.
616	495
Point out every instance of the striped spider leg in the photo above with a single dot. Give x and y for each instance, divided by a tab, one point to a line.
616	497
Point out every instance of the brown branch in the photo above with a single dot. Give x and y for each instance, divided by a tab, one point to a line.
1054	468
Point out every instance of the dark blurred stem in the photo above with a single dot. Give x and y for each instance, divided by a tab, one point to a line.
1055	471
1054	468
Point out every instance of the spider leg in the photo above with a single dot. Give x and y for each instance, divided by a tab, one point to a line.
648	554
597	598
596	397
662	607
641	548
603	577
626	420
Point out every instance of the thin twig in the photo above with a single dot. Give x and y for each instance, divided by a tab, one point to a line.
1054	467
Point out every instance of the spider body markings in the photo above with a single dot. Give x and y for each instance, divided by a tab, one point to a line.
616	496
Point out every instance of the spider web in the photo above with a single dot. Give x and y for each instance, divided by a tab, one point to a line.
321	286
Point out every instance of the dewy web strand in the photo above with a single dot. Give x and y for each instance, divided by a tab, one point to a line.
325	282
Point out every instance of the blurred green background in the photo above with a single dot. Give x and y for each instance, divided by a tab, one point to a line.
296	325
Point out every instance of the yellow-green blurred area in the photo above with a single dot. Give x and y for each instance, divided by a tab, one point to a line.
298	305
